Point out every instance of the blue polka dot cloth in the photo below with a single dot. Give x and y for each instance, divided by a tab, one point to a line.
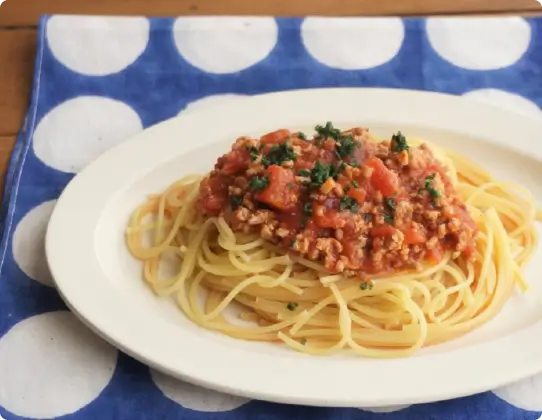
100	80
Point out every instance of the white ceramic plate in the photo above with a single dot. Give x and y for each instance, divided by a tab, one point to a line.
102	284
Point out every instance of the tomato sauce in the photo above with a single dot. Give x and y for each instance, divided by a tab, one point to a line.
357	205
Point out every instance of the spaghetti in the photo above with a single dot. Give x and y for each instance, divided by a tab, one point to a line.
317	305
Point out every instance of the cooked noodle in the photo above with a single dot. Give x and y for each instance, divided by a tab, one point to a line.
398	314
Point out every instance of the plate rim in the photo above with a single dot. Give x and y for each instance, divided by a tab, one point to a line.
113	323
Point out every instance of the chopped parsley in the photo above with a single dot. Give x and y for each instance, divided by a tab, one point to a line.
292	244
345	147
236	201
388	218
258	183
366	285
304	172
398	142
307	213
254	153
389	202
292	306
279	154
328	131
428	186
320	173
347	188
302	136
354	163
355	184
349	203
303	341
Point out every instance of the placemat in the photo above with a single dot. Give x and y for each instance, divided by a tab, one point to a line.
99	80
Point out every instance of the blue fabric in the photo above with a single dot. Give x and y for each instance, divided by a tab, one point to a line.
157	86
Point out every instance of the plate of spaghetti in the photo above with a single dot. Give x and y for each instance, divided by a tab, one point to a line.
381	234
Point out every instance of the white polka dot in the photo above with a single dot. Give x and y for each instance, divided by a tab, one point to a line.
193	397
224	44
29	243
79	130
211	101
524	394
506	100
55	366
388	409
95	45
353	43
471	43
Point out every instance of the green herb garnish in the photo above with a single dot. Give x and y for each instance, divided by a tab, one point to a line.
236	201
428	186
369	217
279	154
355	184
388	218
307	209
292	244
254	153
364	285
347	188
304	172
307	213
302	136
292	306
398	142
328	131
319	174
349	203
303	341
354	163
258	183
389	202
345	147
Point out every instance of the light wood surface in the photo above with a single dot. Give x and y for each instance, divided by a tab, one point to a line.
19	18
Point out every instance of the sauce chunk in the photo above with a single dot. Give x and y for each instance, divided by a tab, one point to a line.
356	205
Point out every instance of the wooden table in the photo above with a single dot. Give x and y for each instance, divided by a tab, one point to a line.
18	19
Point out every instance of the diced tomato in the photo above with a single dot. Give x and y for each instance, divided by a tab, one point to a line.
357	194
413	235
383	231
281	192
213	195
330	218
434	255
329	145
291	221
468	251
236	161
382	178
213	202
275	137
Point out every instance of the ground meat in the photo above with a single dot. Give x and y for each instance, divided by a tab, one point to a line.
357	205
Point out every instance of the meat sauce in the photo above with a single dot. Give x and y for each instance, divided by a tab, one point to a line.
340	198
